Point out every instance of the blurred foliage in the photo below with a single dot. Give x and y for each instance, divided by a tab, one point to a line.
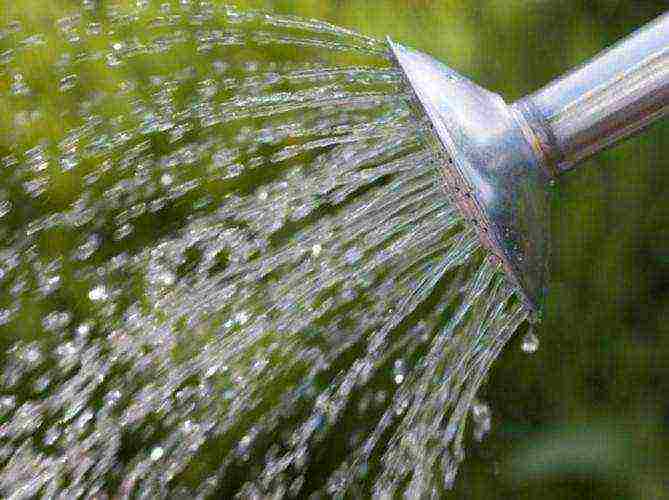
588	415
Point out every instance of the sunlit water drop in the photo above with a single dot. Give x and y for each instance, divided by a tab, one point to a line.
98	293
224	239
530	343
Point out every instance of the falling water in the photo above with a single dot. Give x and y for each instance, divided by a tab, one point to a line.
227	263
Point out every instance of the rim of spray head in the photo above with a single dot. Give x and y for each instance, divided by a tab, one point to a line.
499	160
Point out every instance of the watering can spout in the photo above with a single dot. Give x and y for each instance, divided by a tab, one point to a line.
491	171
498	160
611	97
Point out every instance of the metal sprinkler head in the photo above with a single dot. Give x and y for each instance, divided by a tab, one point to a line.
490	168
498	160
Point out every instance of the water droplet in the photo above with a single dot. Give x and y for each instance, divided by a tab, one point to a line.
123	232
449	470
85	417
57	320
244	444
93	29
398	371
36	187
113	397
42	383
83	330
6	56
113	61
480	411
234	170
98	293
352	255
51	284
5	207
7	403
32	354
220	67
68	83
157	453
530	343
166	179
167	278
19	86
68	162
14	26
51	435
242	317
482	419
5	316
88	248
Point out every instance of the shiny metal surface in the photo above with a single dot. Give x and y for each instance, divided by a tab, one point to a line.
612	96
491	170
500	159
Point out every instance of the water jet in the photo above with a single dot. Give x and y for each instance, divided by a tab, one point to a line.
228	265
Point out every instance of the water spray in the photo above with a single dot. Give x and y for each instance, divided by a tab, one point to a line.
227	267
499	159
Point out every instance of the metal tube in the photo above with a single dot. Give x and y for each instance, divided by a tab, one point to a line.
611	97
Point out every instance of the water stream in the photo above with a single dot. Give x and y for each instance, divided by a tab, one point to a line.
227	264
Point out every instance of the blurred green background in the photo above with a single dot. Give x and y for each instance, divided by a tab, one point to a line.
588	415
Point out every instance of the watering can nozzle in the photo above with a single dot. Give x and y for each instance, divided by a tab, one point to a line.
498	160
